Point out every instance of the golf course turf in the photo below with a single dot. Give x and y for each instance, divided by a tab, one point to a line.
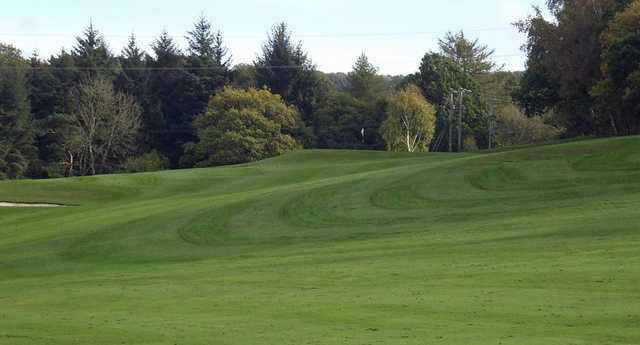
532	246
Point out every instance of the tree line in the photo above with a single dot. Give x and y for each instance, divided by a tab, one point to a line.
88	111
583	66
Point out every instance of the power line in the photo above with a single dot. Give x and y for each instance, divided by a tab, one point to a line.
119	68
508	55
239	35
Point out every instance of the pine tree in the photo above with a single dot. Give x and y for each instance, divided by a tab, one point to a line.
133	76
201	40
43	91
42	88
286	70
171	98
221	55
469	55
92	55
66	75
132	53
364	81
16	125
133	80
282	63
166	51
208	62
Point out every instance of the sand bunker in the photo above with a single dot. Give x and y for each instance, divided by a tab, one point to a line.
24	204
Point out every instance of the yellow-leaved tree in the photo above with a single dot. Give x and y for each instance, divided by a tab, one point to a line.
410	122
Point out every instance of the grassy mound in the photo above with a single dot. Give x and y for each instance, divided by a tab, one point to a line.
532	246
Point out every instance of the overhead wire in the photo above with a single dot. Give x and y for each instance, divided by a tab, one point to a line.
254	35
239	36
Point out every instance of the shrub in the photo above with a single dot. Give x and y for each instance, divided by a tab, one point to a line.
514	128
152	161
469	144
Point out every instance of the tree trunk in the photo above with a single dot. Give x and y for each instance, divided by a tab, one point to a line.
70	164
613	125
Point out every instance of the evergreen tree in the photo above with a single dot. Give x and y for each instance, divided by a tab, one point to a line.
66	76
221	55
42	99
50	83
91	54
208	62
166	51
201	40
364	82
469	55
286	70
133	80
134	76
171	99
16	125
281	63
42	85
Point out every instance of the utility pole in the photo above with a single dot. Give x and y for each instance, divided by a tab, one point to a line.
451	123
460	93
492	116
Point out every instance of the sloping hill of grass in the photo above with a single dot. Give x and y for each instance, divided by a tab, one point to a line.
537	246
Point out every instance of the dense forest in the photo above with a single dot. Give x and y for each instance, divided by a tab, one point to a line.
89	111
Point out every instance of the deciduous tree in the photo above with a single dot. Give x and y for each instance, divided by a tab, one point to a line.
514	128
437	77
105	124
618	93
410	124
345	122
564	56
242	126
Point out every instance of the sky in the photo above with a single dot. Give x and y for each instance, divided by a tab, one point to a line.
395	34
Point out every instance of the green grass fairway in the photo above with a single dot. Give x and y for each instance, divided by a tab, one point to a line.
536	246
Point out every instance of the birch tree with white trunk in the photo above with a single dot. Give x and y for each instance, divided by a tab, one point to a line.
410	123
